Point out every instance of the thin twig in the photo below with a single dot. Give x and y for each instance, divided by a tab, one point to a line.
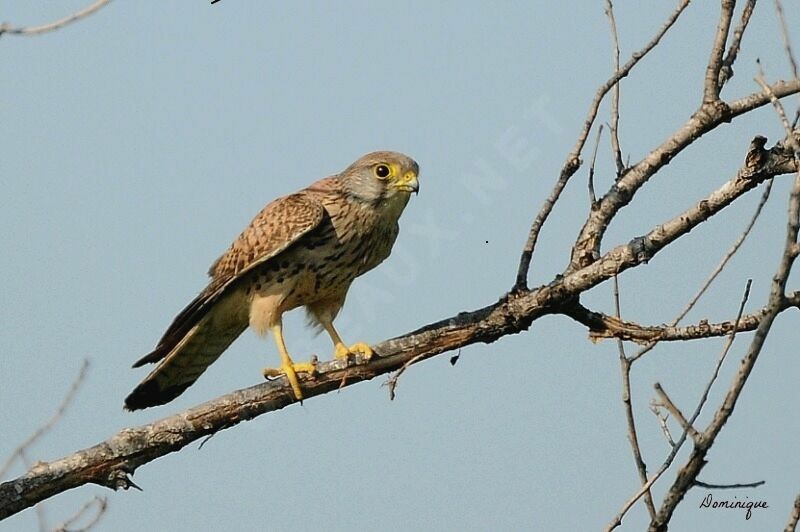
787	44
102	506
42	430
666	402
633	438
708	117
392	381
592	197
688	473
662	421
621	73
615	148
721	359
205	440
715	273
728	256
712	86
726	72
730	486
51	26
573	161
776	103
617	521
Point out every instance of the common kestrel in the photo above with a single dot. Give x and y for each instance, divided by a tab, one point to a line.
301	250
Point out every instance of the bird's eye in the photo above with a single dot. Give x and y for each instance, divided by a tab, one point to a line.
382	171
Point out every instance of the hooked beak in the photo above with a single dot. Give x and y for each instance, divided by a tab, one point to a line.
409	183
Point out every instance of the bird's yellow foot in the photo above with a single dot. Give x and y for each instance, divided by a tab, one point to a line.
291	371
342	351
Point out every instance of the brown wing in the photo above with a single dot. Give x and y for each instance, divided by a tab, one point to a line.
275	228
278	226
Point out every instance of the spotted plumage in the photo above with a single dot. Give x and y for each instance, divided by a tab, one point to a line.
301	250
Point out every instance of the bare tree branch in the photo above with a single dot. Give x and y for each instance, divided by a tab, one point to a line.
687	475
617	520
592	197
787	44
779	89
794	516
712	84
640	249
394	378
733	249
41	515
655	408
615	149
736	486
573	161
775	102
633	437
603	326
708	117
721	360
102	505
112	462
726	72
51	26
667	403
756	157
45	428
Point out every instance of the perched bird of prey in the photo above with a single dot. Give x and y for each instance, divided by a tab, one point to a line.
302	250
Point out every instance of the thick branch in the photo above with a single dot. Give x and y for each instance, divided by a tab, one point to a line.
708	117
110	462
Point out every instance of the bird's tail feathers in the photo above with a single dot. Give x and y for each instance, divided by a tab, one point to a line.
183	363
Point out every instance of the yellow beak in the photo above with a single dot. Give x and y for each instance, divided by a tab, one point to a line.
409	183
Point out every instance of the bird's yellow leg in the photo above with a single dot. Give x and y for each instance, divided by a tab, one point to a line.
341	350
288	367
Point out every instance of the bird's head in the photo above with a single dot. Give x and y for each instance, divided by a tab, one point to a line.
382	177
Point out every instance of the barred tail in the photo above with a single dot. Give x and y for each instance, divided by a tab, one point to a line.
200	346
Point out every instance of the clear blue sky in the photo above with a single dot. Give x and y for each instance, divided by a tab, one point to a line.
136	144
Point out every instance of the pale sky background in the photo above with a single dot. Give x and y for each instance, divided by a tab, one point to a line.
136	144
